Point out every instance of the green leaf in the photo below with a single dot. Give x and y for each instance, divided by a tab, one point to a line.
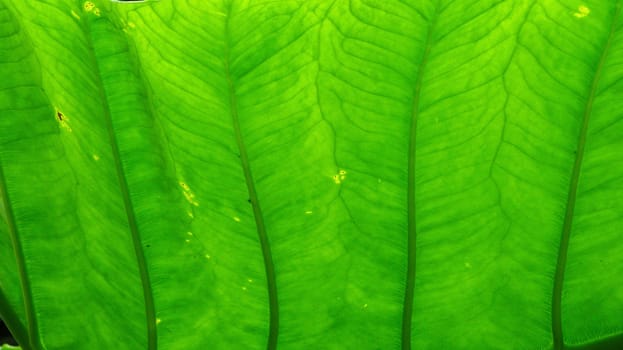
359	174
9	347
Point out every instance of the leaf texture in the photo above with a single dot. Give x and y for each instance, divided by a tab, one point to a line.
311	174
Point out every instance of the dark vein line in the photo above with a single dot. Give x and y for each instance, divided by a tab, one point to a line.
273	328
407	311
573	188
31	316
507	96
150	312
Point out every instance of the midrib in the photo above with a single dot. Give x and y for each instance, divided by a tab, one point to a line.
572	195
273	330
407	310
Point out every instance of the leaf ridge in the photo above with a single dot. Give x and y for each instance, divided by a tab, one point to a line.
273	329
407	310
572	194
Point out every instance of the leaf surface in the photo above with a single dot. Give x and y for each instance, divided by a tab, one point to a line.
311	174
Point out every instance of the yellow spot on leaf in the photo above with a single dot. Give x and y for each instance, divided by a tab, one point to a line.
190	214
250	280
336	179
63	120
131	25
365	306
96	157
583	11
244	288
96	11
66	127
208	256
189	233
73	13
339	177
309	212
88	6
188	241
190	196
158	321
236	219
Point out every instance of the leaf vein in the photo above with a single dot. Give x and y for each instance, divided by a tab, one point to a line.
572	194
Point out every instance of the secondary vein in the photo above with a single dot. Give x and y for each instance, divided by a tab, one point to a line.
150	312
273	329
572	195
407	311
